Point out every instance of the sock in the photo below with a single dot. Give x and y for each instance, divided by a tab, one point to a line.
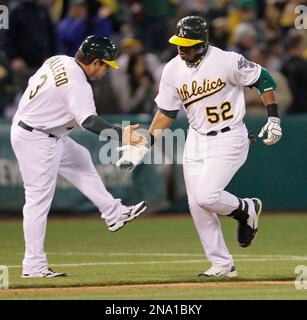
241	213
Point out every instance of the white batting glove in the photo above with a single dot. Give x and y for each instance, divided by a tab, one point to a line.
131	156
273	129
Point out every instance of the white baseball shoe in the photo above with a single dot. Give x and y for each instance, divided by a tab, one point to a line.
215	271
48	273
129	214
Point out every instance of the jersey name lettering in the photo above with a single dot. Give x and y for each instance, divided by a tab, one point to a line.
208	87
58	71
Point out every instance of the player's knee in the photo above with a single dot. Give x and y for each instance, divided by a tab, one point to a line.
193	206
84	158
206	199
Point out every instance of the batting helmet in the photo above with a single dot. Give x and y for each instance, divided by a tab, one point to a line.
100	48
190	31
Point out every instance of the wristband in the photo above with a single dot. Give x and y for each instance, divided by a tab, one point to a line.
272	110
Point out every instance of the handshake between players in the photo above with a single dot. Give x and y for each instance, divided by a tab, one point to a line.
135	145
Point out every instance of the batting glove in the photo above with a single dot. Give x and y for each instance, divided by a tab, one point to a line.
131	156
273	129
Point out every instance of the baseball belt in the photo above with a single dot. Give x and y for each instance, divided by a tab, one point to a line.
251	135
214	132
28	128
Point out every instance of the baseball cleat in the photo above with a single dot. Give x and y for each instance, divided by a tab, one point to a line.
215	271
247	230
49	273
132	213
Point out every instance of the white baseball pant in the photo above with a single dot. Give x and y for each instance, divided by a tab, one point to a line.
209	164
41	158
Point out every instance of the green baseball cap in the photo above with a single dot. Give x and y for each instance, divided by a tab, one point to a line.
100	48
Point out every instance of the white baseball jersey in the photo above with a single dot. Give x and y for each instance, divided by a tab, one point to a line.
57	98
212	93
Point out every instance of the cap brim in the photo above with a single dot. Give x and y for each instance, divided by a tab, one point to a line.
178	41
112	64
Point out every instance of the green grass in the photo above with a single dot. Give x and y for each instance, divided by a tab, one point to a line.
158	250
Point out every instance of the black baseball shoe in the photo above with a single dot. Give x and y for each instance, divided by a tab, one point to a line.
247	230
129	214
48	273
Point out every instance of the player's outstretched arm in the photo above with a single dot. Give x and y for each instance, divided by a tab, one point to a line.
127	135
162	120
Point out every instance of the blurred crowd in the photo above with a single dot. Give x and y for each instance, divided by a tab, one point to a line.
263	31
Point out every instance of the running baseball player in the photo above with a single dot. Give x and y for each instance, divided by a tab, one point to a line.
58	98
208	84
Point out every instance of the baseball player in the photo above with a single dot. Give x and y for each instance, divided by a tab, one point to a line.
58	98
208	84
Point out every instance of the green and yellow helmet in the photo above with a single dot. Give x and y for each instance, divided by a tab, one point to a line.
100	48
190	31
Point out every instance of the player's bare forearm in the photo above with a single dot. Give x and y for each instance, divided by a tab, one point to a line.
268	97
159	123
269	100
